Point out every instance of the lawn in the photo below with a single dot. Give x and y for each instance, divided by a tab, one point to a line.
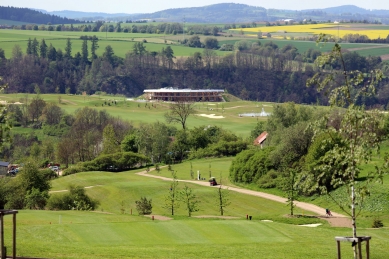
138	112
107	233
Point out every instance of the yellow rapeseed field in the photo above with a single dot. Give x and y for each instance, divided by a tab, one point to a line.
337	30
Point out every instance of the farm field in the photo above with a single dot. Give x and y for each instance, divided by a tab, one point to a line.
122	42
137	112
336	30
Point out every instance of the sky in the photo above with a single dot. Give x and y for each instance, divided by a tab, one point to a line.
150	6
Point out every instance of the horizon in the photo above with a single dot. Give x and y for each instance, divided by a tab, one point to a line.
153	6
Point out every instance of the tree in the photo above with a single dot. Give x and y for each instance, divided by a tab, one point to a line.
36	108
144	206
129	143
357	131
194	42
68	48
43	49
211	43
190	199
179	112
4	126
109	55
222	198
35	185
94	46
173	197
84	51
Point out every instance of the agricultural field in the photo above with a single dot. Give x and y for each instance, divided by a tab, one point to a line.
336	30
120	42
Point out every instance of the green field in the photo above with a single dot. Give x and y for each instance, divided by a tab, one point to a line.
137	112
122	42
107	233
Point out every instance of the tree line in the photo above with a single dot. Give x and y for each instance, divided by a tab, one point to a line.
32	16
248	72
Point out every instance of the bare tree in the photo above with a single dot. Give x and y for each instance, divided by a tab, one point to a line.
179	112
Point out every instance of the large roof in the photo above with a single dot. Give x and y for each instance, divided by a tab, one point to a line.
176	90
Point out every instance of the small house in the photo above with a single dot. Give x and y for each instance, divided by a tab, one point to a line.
261	139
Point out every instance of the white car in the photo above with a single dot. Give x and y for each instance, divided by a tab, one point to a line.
54	168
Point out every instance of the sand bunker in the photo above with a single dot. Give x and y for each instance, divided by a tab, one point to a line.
311	225
211	116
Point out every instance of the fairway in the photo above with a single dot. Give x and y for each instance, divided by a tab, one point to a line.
93	235
138	112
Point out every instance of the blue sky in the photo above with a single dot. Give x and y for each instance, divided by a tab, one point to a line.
148	6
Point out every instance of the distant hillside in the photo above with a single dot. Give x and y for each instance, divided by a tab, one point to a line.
218	13
87	15
32	16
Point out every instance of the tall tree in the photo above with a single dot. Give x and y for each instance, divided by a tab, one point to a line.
179	112
358	131
34	47
43	49
68	48
110	142
94	46
84	52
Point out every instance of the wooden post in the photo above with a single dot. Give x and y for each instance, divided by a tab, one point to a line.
14	237
360	248
338	245
2	235
367	249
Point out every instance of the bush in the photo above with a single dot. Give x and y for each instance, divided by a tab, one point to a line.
377	223
75	199
143	206
71	170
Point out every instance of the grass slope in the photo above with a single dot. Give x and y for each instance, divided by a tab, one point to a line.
137	112
76	234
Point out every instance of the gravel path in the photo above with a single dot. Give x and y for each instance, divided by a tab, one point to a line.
337	219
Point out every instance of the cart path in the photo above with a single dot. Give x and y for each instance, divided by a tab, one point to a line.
302	205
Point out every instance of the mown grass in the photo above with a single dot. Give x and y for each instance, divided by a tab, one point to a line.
92	235
76	234
138	112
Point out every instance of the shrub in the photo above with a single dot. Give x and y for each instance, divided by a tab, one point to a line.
143	206
377	223
75	199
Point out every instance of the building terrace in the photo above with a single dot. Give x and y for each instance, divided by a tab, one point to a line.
187	95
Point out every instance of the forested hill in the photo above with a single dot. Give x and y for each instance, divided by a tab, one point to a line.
32	16
227	12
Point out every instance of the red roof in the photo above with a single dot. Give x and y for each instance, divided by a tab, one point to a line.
261	138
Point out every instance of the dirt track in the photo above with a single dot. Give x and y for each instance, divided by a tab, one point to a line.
302	205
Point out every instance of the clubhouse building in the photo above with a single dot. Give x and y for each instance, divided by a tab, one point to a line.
184	95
